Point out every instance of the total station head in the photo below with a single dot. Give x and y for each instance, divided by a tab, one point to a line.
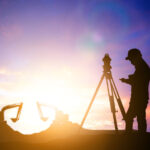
107	61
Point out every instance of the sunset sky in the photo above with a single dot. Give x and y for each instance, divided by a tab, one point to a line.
51	51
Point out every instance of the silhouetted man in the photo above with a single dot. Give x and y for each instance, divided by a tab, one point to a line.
139	82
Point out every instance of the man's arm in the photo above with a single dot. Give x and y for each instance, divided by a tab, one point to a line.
125	80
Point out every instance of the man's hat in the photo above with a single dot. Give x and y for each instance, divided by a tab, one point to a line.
133	53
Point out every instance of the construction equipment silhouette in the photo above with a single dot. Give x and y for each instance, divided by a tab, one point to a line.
18	113
9	107
60	117
112	91
40	112
39	105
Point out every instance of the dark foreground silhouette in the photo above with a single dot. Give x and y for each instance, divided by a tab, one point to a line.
68	138
100	141
139	82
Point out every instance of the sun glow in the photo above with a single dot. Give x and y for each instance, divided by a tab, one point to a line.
49	89
43	87
60	89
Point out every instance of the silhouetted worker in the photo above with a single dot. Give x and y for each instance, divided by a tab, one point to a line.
139	82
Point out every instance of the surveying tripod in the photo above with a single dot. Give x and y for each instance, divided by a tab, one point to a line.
112	92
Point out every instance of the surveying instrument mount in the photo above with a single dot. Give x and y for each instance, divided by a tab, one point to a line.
112	92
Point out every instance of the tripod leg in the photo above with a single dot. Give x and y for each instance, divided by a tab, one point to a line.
118	98
115	122
93	98
112	104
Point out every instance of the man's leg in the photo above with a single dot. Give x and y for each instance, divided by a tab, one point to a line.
129	119
141	119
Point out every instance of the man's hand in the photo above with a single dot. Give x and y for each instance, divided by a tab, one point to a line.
123	80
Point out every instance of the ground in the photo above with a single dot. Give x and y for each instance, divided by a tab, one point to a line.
89	140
